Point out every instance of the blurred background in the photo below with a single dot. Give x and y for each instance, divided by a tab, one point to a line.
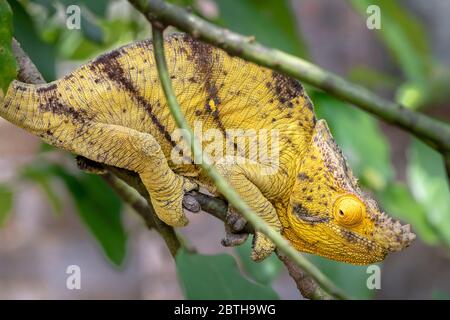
53	216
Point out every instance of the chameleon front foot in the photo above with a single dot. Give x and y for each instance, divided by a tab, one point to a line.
168	201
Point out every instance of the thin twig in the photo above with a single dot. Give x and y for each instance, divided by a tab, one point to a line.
222	185
142	207
132	198
432	131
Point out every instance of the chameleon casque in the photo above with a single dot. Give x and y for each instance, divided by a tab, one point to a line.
113	111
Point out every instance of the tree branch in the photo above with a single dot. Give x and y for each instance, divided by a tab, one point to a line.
432	131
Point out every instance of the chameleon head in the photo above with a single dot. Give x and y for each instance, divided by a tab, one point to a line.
329	215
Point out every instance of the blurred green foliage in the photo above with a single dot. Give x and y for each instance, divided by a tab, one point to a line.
264	272
217	277
403	36
424	201
7	61
97	205
429	186
25	31
253	18
42	178
6	203
350	278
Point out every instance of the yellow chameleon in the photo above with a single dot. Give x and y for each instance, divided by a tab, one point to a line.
113	111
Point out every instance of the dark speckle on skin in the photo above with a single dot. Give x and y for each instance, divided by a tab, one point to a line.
55	106
47	88
302	176
110	66
349	236
285	88
304	215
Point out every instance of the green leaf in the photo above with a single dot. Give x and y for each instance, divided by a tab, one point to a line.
350	278
25	31
440	295
411	95
100	209
403	35
263	272
97	205
45	147
74	46
98	7
182	2
372	78
7	61
360	138
91	30
272	22
398	202
6	203
428	183
216	277
44	181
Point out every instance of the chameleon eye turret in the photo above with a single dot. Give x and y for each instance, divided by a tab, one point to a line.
349	211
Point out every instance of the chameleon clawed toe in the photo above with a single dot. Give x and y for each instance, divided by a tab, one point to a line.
235	220
233	239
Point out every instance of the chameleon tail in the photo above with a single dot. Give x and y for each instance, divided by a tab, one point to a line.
20	106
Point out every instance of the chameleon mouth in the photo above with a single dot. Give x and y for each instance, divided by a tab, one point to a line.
392	234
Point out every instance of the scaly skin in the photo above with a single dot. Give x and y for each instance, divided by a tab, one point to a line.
113	111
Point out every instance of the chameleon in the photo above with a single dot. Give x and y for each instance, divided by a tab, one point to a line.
112	110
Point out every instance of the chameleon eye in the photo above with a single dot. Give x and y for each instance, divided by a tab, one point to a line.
348	210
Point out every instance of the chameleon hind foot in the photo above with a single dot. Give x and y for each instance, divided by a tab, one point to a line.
262	247
245	180
233	239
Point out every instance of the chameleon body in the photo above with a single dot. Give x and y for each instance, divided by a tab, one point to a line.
112	110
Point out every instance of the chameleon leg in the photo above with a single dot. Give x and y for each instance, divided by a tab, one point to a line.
140	152
241	180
